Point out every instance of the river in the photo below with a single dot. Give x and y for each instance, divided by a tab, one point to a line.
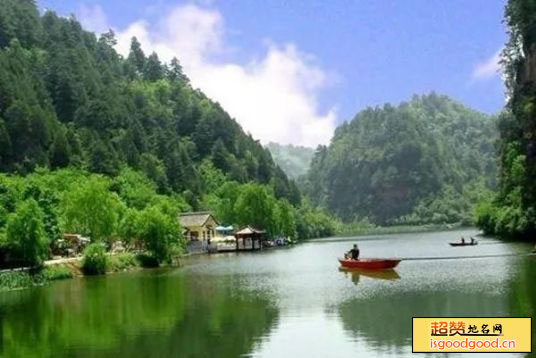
291	302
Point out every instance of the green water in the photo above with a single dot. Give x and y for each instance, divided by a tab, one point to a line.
281	303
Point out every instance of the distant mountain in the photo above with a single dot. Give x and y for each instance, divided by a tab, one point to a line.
294	160
426	160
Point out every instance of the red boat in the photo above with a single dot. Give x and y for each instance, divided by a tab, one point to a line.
370	264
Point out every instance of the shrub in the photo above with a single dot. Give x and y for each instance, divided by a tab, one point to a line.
17	280
95	261
26	234
56	272
122	262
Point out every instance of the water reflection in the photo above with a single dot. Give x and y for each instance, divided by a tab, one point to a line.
386	320
354	274
522	294
133	316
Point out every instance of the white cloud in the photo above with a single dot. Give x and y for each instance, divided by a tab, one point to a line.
488	69
93	18
274	97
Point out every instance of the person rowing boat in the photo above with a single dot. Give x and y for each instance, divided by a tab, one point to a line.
353	253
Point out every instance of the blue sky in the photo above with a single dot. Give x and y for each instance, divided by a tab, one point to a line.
289	71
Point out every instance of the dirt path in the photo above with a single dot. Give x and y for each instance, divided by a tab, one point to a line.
63	260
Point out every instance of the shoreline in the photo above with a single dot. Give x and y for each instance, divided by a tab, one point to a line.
24	277
403	229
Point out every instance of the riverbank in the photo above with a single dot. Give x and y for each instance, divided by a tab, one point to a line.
53	270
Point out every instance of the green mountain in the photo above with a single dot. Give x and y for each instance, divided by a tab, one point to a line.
512	212
294	160
426	160
68	99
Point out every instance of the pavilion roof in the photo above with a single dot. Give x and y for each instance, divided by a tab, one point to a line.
198	218
248	230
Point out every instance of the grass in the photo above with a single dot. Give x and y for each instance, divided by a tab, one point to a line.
16	280
122	262
56	272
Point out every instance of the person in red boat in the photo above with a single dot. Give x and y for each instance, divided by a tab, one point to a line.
353	253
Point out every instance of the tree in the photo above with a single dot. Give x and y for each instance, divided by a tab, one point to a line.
95	261
129	151
129	227
255	206
5	145
153	70
285	219
136	57
19	19
60	151
103	158
154	168
90	209
220	156
26	234
134	188
175	72
160	234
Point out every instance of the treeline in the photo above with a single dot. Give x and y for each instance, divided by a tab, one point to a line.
67	98
512	211
36	209
426	161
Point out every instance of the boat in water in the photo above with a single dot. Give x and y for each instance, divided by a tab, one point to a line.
463	243
369	264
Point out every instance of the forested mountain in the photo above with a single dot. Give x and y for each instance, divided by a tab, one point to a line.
512	212
114	148
294	160
426	160
68	99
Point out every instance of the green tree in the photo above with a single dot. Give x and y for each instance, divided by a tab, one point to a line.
134	188
285	219
136	56
103	158
154	168
60	151
255	206
175	72
129	227
19	19
26	233
160	234
5	145
153	70
91	209
95	261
